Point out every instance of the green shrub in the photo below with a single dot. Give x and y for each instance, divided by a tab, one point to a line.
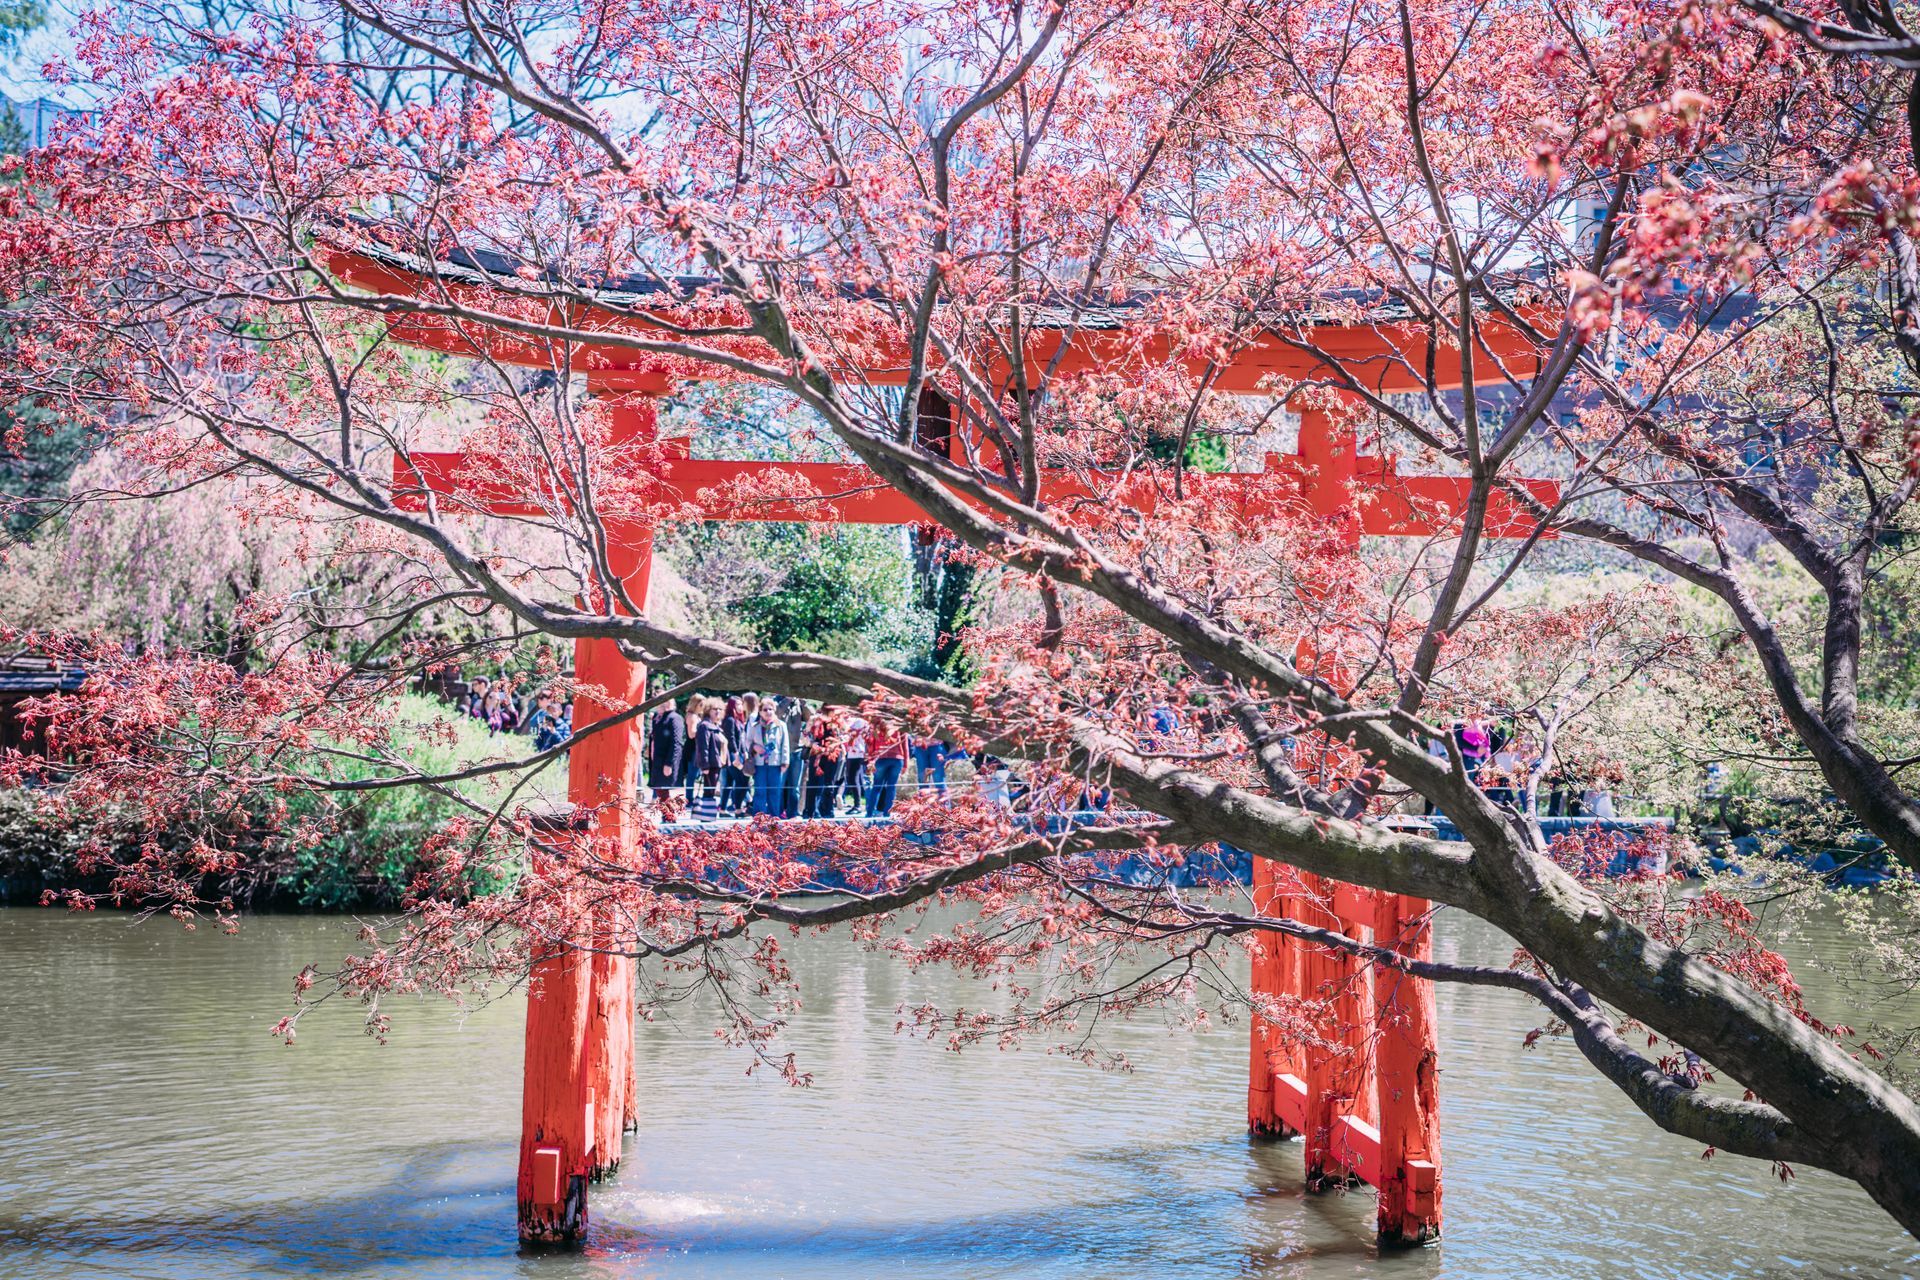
372	849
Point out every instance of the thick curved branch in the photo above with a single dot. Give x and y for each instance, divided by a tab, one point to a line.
1078	841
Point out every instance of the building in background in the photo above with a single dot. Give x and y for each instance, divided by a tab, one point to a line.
34	121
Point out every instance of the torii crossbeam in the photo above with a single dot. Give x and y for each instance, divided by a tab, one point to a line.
1369	1112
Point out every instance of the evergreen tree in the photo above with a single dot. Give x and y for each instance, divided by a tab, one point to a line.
37	453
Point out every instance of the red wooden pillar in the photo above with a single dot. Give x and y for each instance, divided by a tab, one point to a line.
1262	1120
1381	1098
1353	1143
630	555
578	1091
1279	1074
1291	1087
606	783
1407	1064
556	1112
1332	450
1320	976
1275	973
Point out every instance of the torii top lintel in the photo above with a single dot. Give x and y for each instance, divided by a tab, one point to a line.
1384	355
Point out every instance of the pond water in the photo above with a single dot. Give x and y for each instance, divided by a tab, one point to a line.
150	1127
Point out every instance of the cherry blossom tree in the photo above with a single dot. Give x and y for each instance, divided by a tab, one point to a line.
1783	260
1627	228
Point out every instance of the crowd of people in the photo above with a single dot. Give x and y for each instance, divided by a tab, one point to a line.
546	717
737	755
1500	768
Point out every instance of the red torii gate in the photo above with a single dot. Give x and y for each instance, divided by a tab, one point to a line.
1367	1110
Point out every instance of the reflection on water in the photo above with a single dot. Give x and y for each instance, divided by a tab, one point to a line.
149	1127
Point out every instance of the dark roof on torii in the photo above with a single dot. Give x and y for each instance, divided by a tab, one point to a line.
462	265
1360	330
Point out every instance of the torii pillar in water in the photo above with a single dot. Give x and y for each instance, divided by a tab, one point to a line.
578	1095
1367	1109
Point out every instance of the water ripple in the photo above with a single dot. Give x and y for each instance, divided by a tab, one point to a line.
149	1127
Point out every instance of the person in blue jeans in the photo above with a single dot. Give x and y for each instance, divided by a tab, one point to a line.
887	754
767	753
930	764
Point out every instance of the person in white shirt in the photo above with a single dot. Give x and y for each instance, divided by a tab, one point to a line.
992	779
854	777
767	752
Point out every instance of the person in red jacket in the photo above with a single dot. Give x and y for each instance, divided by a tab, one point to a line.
887	753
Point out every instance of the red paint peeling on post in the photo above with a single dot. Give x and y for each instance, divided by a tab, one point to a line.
553	1141
1407	1062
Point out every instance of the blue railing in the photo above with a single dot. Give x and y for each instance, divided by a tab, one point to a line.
1861	865
1223	864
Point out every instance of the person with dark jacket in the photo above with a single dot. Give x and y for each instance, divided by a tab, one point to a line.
710	761
666	751
794	712
823	767
738	784
1476	746
689	766
545	723
475	703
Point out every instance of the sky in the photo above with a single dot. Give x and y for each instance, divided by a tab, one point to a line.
20	77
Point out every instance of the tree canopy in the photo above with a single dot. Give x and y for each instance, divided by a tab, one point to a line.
1663	245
